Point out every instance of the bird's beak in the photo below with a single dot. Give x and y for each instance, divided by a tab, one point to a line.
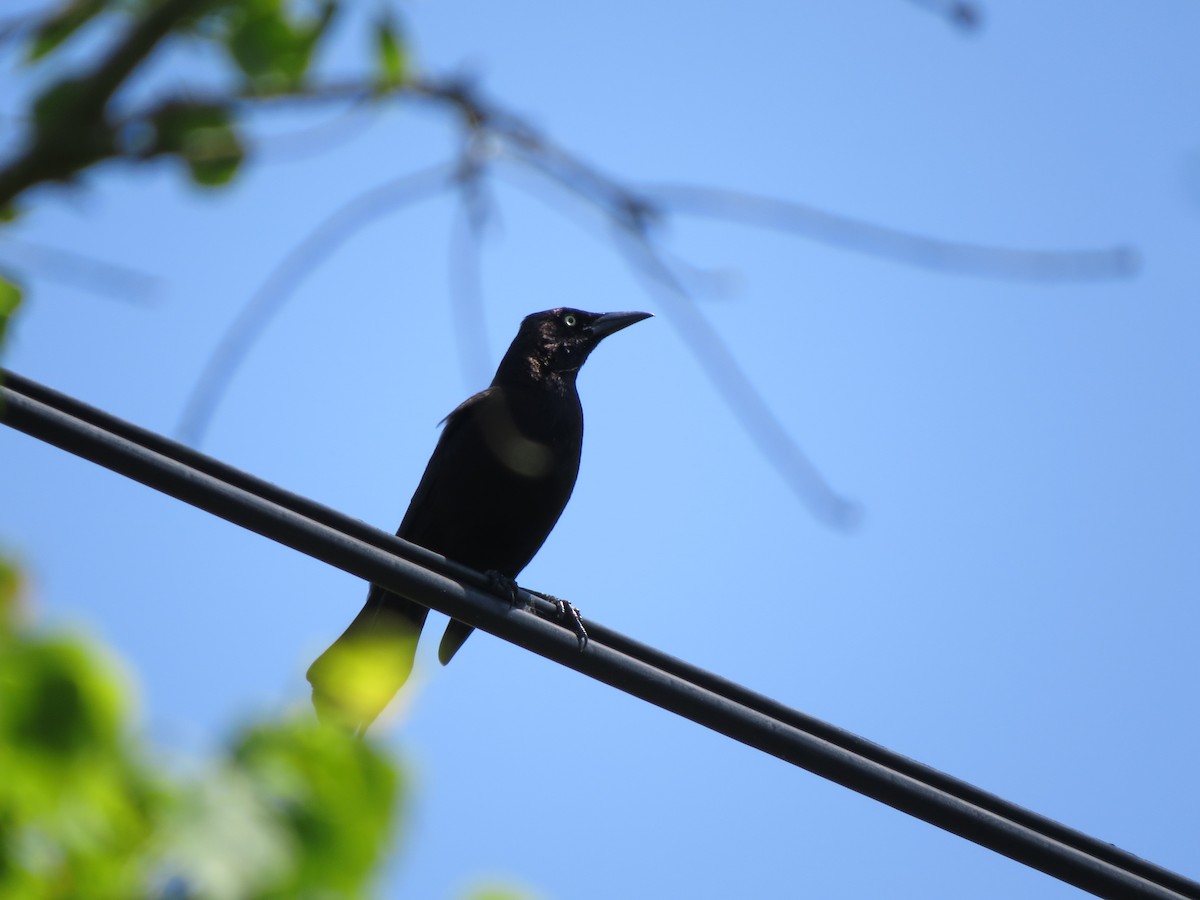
610	323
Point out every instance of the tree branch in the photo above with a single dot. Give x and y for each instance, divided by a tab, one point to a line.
71	130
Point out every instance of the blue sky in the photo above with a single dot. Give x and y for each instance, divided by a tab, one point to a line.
1019	606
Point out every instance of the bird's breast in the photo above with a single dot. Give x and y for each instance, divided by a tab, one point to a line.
532	439
518	452
498	482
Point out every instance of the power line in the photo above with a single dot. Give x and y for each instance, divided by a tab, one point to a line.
642	671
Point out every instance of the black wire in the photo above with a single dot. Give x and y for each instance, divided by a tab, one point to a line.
610	657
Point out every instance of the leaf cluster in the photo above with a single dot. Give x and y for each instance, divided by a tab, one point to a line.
290	808
263	48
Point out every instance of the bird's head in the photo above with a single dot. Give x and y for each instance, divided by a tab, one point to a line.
558	341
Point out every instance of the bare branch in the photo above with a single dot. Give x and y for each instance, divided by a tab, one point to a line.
734	386
475	211
645	207
301	144
891	243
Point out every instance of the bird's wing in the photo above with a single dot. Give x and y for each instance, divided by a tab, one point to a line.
473	400
429	500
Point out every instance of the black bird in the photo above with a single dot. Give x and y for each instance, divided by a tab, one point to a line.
498	480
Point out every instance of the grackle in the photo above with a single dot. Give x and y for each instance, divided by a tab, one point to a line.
498	480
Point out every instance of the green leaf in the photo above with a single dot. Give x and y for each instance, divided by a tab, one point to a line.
265	48
204	138
10	299
272	49
67	706
391	54
337	794
294	810
61	24
213	156
75	804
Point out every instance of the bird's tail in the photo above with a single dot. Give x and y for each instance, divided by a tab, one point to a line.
363	669
456	635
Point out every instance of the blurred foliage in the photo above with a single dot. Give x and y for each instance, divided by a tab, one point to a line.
291	809
262	48
391	56
336	795
60	24
492	891
10	299
270	41
204	138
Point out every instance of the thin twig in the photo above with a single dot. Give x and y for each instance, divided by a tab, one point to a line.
891	243
734	386
466	282
304	143
962	15
301	261
750	409
637	216
96	275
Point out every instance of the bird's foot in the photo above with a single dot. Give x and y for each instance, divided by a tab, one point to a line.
569	613
504	586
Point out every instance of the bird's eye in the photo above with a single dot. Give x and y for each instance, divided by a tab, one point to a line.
569	320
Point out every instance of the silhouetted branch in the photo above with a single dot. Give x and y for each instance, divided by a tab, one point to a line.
302	260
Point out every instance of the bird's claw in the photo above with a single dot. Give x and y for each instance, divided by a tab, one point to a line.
504	586
569	613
